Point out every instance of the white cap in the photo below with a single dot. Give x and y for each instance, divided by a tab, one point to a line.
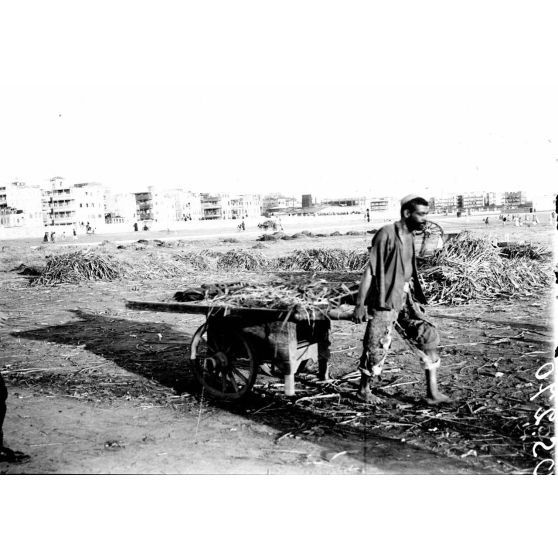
409	198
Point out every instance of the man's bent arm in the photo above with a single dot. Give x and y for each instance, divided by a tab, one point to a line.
359	314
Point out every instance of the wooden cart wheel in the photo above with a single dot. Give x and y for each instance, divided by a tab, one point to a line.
224	363
429	240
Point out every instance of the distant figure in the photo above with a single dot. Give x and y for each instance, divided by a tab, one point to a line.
45	238
368	215
74	232
145	227
504	219
486	221
52	236
63	235
135	227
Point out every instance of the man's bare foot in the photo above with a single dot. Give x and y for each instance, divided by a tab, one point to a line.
437	399
366	396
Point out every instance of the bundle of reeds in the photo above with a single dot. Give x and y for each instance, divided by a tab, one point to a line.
471	268
319	259
242	260
524	250
76	267
194	260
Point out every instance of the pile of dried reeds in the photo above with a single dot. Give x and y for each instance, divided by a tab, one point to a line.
524	250
194	260
161	265
471	268
76	267
319	259
242	260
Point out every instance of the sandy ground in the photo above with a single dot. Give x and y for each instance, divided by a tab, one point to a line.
97	388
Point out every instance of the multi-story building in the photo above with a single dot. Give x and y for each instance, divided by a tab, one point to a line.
120	207
211	206
381	203
187	205
348	202
59	204
278	203
446	203
89	204
243	206
471	201
66	205
231	206
144	206
514	200
493	199
20	205
161	205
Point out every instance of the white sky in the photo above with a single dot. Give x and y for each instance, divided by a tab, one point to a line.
317	97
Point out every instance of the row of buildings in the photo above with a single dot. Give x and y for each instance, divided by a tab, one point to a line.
90	204
466	203
60	204
481	201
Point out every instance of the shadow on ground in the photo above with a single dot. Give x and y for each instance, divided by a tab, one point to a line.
167	364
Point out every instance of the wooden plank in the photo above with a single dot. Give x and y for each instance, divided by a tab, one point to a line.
265	314
180	307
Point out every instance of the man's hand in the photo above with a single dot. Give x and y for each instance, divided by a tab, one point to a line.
359	314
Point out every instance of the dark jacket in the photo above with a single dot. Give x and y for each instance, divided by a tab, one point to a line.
386	264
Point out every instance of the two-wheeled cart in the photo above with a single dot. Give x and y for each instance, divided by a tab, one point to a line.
228	350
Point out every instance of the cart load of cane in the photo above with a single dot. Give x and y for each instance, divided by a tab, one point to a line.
303	295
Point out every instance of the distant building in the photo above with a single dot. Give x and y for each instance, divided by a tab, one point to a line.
120	208
59	204
156	205
349	202
187	205
231	206
382	203
20	205
471	201
444	204
514	200
307	201
277	203
494	199
89	200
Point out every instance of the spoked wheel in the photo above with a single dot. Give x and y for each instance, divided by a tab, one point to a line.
429	240
224	364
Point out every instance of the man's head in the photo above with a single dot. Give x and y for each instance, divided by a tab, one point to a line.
414	210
